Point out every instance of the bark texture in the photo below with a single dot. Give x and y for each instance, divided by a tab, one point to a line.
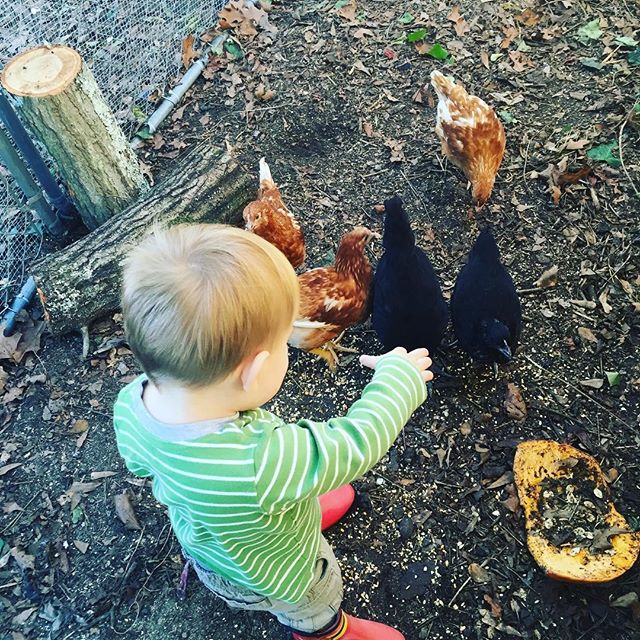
65	109
82	282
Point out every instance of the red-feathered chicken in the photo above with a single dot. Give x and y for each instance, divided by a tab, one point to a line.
269	217
334	298
472	136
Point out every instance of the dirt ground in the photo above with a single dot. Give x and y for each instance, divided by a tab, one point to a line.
435	544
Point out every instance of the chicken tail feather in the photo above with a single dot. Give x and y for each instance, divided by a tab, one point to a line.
265	172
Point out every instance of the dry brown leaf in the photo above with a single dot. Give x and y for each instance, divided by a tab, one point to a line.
98	475
348	12
23	560
586	334
80	426
496	609
479	574
484	58
23	616
8	345
504	479
9	467
397	149
512	503
593	383
548	279
81	546
81	438
514	403
10	507
465	428
367	128
360	67
189	54
124	511
603	299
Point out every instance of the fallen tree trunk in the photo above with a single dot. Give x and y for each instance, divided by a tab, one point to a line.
82	282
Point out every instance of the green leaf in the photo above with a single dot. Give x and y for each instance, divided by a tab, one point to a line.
590	31
406	18
234	49
506	117
634	56
613	377
438	52
340	4
76	515
636	107
604	153
416	35
138	113
626	41
592	63
144	133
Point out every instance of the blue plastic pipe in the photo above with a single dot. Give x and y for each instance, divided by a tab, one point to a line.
21	302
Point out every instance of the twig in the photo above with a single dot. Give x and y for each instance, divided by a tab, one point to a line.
530	290
85	341
624	167
582	393
465	583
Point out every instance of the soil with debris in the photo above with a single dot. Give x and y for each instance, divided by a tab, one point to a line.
335	99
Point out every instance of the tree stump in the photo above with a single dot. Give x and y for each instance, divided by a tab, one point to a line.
82	282
65	109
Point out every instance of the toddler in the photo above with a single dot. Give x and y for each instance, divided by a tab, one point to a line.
208	310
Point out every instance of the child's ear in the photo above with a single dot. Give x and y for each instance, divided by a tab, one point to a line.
251	369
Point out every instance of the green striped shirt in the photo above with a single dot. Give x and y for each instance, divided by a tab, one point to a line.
242	494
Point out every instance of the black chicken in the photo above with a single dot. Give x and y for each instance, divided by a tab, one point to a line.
485	308
408	307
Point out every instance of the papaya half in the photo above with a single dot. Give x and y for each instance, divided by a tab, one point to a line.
574	531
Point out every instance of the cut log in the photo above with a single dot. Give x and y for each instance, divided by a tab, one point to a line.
65	109
82	282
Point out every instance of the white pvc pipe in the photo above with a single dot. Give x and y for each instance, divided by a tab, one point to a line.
177	93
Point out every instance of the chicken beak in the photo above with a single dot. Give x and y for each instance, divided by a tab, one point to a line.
375	235
505	351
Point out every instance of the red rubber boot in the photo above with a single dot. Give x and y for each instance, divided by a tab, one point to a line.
350	628
335	504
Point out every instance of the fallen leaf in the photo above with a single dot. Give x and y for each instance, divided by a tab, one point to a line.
586	334
514	403
603	299
484	59
189	54
367	127
8	345
98	475
360	67
613	378
397	149
81	438
9	467
348	11
504	479
593	383
479	574
10	507
23	616
23	560
80	426
81	546
124	511
496	609
626	600
548	279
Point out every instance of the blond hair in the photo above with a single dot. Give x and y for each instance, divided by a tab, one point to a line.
198	299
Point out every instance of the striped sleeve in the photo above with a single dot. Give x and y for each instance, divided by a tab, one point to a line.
309	458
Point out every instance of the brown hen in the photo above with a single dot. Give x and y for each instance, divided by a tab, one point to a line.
472	136
269	217
334	298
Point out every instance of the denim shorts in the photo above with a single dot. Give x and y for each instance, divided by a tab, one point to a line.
315	610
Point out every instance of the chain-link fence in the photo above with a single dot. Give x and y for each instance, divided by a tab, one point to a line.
134	49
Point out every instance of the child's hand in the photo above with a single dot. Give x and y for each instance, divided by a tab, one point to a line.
419	357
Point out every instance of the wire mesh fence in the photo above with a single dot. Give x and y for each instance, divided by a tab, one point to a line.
134	50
